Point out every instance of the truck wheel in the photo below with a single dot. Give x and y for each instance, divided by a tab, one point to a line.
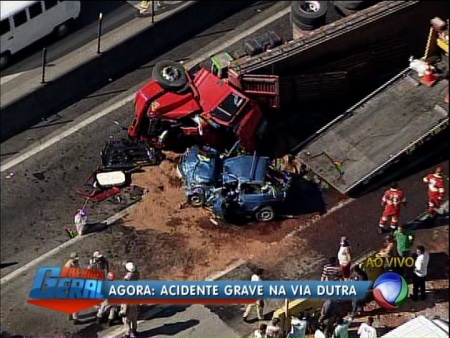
353	5
170	75
251	48
274	39
4	59
196	199
311	13
342	10
265	214
304	27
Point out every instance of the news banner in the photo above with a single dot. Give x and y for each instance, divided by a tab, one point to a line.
67	290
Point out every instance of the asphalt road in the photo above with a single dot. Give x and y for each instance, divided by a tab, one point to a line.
115	13
39	200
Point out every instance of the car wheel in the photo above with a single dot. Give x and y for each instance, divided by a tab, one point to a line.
196	199
170	75
265	214
4	59
62	29
311	13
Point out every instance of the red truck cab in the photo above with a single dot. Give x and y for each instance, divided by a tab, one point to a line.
173	107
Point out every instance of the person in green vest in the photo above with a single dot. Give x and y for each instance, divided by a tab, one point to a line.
405	240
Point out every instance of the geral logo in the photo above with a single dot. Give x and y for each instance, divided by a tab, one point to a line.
390	262
67	290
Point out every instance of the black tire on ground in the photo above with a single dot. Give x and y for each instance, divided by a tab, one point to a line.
353	5
304	27
5	58
312	13
265	214
274	39
251	48
170	75
197	199
342	10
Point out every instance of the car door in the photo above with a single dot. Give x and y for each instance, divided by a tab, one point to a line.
7	37
21	34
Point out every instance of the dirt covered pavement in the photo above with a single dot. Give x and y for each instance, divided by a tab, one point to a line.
181	243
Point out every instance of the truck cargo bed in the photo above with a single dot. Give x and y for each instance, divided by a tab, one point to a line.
374	133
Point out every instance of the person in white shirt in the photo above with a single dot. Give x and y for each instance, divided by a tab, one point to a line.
261	332
341	330
420	273
366	330
298	327
259	305
274	329
319	333
344	257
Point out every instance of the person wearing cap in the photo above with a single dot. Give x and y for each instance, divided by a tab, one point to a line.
99	262
73	262
436	190
344	257
132	273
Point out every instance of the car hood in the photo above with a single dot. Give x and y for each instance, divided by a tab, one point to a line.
196	168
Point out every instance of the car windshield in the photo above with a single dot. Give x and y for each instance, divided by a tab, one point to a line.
229	107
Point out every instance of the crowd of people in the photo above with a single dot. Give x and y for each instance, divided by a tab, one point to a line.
127	313
398	243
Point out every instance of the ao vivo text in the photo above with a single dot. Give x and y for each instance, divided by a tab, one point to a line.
392	262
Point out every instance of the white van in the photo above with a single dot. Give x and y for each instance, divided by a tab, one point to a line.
25	22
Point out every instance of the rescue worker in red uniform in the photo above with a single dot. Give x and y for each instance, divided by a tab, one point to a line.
392	201
436	190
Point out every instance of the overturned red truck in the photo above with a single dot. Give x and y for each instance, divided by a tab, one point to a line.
177	108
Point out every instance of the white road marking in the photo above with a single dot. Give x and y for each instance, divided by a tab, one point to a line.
8	78
38	147
58	249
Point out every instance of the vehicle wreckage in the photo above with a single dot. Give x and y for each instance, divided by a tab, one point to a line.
245	186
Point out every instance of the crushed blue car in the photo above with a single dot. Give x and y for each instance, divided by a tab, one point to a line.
199	170
251	188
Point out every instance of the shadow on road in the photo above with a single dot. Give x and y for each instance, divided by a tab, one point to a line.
170	329
171	311
7	265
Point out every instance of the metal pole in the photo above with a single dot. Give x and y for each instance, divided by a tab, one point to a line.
153	11
99	34
44	62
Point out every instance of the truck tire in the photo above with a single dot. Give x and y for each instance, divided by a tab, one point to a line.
311	13
170	75
352	5
251	48
265	214
343	10
304	27
274	39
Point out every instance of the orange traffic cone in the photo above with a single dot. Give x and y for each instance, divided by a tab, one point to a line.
429	79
